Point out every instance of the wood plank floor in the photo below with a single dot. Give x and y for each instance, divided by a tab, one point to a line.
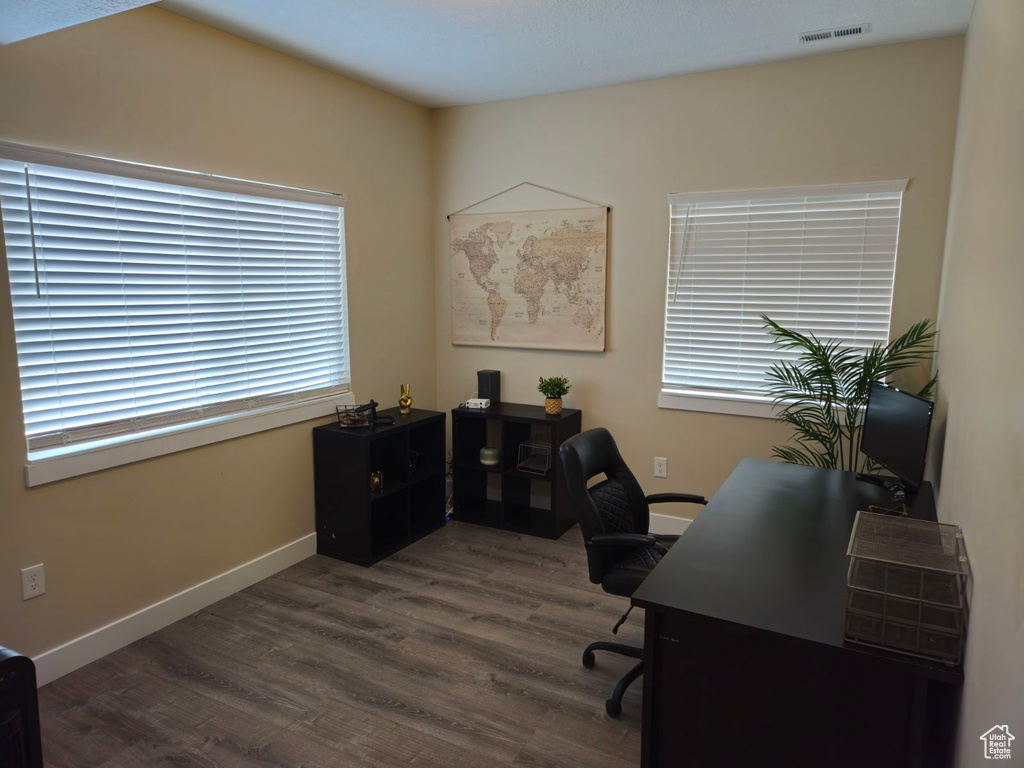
462	650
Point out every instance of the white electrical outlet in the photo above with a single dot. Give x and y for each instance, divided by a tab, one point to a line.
33	582
660	466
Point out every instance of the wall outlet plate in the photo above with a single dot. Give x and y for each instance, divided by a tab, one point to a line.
33	582
660	466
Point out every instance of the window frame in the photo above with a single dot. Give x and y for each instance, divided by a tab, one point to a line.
735	402
49	465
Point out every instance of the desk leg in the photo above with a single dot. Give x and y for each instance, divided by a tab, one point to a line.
646	737
918	710
933	717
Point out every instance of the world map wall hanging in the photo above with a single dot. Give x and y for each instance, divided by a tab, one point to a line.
532	279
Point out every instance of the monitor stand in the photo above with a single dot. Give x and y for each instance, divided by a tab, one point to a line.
893	485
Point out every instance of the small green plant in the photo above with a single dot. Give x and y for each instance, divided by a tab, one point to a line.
555	386
823	392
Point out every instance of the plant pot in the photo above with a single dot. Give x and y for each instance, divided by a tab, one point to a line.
553	405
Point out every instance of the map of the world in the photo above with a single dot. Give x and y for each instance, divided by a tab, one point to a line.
529	279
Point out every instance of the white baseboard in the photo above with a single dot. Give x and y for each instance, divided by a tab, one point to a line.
76	653
667	525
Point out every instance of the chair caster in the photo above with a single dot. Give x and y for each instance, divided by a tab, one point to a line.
613	708
588	659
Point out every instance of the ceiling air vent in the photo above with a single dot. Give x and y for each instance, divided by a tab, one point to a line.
828	34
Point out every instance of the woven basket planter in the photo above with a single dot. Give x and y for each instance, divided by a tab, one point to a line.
553	405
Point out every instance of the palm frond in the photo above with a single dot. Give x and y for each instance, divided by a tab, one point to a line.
928	390
812	430
821	393
793	455
909	350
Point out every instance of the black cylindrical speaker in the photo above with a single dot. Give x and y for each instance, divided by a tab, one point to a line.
488	385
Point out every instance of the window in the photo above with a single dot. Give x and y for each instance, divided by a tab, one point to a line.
817	259
147	298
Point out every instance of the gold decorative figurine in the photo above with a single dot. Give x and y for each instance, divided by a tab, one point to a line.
405	401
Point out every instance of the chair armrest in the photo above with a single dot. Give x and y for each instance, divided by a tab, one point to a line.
623	540
686	498
663	538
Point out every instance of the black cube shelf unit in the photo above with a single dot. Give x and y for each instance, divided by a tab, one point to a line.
505	496
362	526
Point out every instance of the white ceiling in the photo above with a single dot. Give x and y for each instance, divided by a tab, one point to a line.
20	19
448	52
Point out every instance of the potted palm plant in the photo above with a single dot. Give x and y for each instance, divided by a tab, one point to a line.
553	389
822	393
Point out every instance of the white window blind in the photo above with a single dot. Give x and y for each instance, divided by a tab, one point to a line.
142	303
820	260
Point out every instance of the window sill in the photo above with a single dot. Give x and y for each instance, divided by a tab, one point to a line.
732	403
61	463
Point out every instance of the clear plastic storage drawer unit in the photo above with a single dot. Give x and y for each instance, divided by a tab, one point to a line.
906	586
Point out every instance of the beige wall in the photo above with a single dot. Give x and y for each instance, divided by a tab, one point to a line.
873	114
153	87
981	392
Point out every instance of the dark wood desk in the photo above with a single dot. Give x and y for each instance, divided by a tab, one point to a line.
745	660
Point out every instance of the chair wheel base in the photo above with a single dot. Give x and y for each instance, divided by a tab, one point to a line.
613	706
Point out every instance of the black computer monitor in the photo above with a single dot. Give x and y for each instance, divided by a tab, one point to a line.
895	434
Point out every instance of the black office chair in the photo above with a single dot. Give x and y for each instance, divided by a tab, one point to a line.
614	517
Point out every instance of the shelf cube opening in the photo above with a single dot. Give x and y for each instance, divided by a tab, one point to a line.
390	455
426	504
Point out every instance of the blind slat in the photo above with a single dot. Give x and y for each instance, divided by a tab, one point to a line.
141	304
820	264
